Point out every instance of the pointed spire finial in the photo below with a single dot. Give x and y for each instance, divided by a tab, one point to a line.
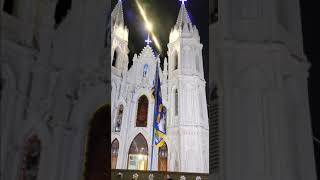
117	13
183	1
183	17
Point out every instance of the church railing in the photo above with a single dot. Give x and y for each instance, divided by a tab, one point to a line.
156	175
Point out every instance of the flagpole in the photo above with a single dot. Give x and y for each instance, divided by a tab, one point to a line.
155	106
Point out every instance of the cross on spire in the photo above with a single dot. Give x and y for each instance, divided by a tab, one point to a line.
148	41
183	1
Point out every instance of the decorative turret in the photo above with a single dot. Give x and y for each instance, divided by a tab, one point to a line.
187	96
119	39
183	26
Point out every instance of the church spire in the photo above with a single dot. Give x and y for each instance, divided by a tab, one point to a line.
117	14
183	17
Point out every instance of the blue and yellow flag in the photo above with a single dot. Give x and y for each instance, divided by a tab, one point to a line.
159	120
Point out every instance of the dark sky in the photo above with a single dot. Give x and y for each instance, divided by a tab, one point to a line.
163	14
309	11
311	49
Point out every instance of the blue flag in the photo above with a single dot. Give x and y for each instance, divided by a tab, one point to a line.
160	111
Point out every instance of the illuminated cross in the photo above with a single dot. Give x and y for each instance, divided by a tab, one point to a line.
148	41
183	1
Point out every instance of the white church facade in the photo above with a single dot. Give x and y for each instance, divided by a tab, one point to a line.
186	147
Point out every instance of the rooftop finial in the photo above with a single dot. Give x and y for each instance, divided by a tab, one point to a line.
148	41
183	1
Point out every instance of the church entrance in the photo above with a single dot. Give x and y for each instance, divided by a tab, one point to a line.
138	154
97	160
163	158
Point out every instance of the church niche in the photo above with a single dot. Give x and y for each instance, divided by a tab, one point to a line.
114	153
119	119
138	154
31	159
142	114
176	102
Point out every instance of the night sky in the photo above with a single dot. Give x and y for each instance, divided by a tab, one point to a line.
309	11
163	14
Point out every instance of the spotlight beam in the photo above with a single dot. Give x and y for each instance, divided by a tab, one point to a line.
148	25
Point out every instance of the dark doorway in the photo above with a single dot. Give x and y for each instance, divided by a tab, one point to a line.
97	161
31	159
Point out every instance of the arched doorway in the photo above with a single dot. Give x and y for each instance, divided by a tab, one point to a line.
31	159
142	114
138	154
163	158
114	153
97	159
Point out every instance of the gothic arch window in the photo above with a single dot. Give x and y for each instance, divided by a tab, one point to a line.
31	159
10	7
115	58
142	114
62	9
114	153
175	60
138	154
97	156
176	102
198	63
119	118
163	158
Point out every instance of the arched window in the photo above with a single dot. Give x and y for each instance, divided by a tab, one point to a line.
31	159
119	119
115	58
175	60
142	114
62	9
9	6
176	102
114	153
138	154
163	158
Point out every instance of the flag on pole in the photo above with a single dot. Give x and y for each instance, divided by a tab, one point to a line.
159	121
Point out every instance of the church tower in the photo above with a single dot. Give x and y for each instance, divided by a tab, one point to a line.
188	124
119	54
119	40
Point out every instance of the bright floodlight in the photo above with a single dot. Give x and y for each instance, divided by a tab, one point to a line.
149	26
